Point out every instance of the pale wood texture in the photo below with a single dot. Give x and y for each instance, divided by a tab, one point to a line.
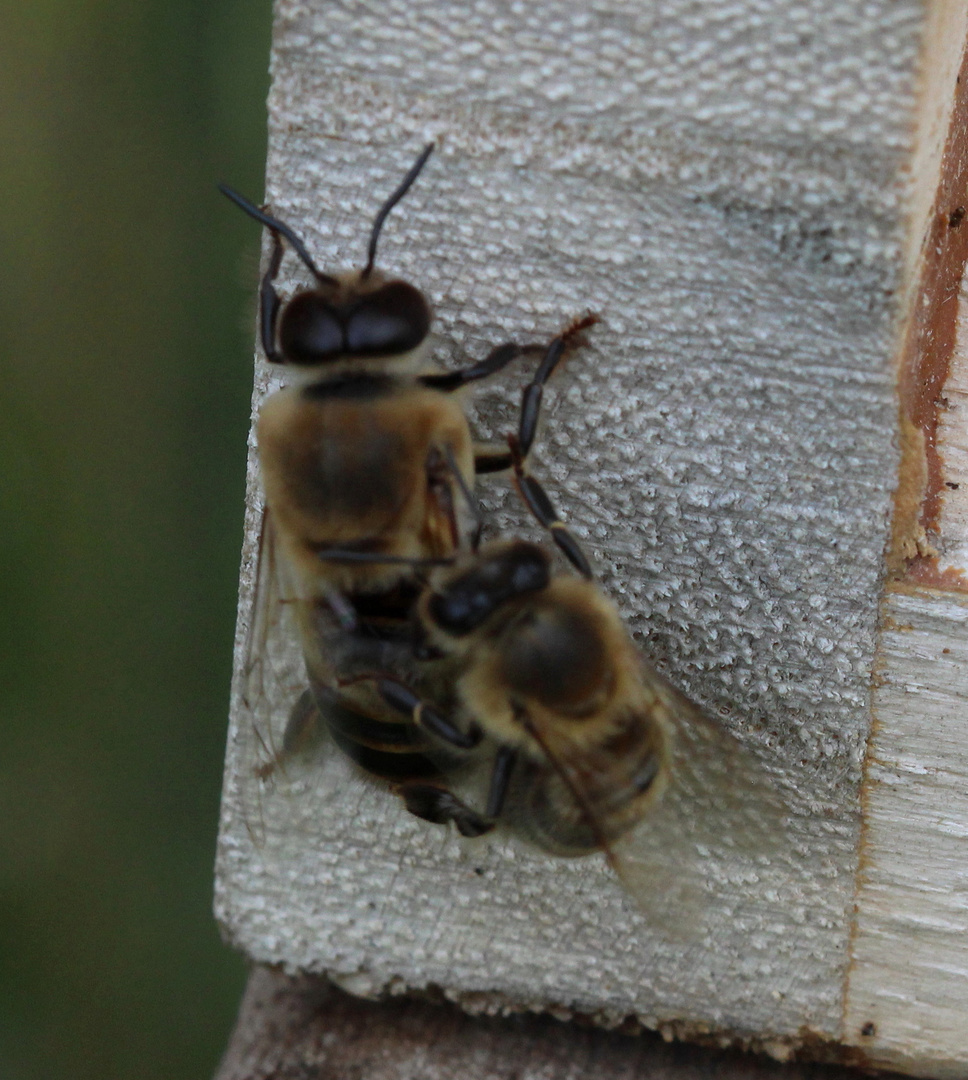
910	954
724	184
953	526
942	51
909	961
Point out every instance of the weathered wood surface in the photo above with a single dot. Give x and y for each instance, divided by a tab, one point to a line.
725	186
910	953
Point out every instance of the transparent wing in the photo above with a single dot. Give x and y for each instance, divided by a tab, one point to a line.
298	654
715	843
275	722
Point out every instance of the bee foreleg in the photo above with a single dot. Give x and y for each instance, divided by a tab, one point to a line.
533	392
498	358
469	498
487	460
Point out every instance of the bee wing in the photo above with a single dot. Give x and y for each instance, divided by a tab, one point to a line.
714	842
273	713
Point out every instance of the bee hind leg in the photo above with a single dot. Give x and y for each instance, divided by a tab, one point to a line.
435	803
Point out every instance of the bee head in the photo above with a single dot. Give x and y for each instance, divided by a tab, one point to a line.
352	318
465	599
360	315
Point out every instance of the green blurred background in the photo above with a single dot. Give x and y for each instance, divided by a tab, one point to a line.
126	343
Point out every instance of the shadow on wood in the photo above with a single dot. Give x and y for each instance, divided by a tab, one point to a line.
303	1027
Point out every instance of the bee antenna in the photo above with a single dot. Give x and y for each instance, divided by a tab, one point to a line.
279	228
390	204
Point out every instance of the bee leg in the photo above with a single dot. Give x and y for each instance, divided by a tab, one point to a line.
302	727
350	557
504	761
400	697
440	474
342	608
498	358
486	460
533	392
433	802
536	499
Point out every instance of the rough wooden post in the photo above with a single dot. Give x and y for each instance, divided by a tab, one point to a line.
765	205
299	1026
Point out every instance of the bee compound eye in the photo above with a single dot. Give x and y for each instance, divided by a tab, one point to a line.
310	331
460	610
527	569
391	320
492	582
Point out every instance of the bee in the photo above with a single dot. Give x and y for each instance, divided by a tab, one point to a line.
362	457
364	461
586	747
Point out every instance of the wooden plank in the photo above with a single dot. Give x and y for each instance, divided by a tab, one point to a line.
906	995
725	187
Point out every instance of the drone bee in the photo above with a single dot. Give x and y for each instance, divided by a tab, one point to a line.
364	458
357	457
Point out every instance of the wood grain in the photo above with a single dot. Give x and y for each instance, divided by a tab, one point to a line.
910	953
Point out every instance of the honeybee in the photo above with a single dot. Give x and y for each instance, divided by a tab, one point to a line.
363	456
365	460
586	747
